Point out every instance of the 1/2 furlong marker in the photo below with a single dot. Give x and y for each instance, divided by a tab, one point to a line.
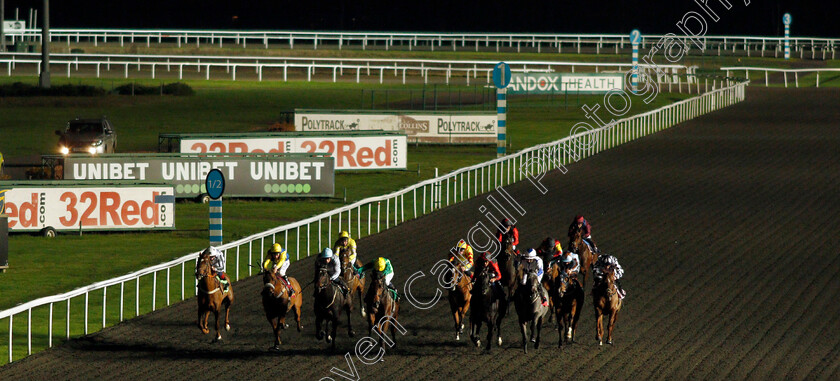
215	184
501	78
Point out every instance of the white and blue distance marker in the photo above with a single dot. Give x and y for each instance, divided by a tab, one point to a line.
635	40
501	78
787	19
215	184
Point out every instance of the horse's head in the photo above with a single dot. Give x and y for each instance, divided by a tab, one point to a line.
203	268
562	282
272	285
376	292
347	270
323	280
605	277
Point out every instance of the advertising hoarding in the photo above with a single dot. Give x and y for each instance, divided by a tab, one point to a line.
419	126
37	205
548	83
246	175
379	151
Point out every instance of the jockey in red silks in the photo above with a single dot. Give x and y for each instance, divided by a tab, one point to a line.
508	230
585	228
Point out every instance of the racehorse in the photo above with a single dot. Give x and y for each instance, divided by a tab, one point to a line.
488	306
567	294
380	302
355	284
211	296
606	301
329	302
507	265
587	257
277	303
459	296
530	309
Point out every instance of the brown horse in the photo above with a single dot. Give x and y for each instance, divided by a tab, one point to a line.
568	302
459	296
210	296
330	301
606	301
355	284
587	257
507	265
277	303
380	303
489	305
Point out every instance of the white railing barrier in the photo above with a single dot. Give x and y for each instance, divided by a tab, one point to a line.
472	41
785	72
309	65
308	236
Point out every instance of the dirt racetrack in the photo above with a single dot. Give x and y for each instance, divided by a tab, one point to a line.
727	227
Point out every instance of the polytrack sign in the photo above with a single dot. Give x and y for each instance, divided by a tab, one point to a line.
449	127
246	175
375	150
89	206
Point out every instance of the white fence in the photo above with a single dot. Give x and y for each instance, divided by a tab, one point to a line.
362	218
428	41
785	72
446	69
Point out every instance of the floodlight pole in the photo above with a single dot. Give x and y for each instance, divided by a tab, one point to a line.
2	24
45	47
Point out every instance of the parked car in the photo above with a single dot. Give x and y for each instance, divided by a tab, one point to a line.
87	136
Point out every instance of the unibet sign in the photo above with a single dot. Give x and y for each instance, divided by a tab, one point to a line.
562	83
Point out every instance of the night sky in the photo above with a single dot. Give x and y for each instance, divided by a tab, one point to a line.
810	18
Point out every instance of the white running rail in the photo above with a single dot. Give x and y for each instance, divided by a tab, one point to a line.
540	42
768	70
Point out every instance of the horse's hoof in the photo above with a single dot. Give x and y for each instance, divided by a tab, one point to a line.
500	341
457	337
609	342
218	338
352	333
533	340
600	343
285	325
329	339
227	327
205	331
275	348
478	343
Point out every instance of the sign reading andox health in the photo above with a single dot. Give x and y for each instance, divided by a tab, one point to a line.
562	83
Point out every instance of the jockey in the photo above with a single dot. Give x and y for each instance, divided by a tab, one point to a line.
327	259
217	262
277	261
495	273
531	263
508	230
604	261
463	257
585	228
570	263
381	267
345	242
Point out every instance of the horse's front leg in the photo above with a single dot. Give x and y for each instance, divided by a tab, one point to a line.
205	328
218	334
319	334
350	331
523	330
227	316
598	327
613	318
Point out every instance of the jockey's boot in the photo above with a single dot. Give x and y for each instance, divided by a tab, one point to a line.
394	290
342	286
225	282
543	297
289	285
356	266
621	293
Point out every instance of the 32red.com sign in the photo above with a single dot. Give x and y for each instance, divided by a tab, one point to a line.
89	207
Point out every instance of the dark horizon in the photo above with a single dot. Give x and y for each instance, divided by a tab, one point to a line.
760	18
